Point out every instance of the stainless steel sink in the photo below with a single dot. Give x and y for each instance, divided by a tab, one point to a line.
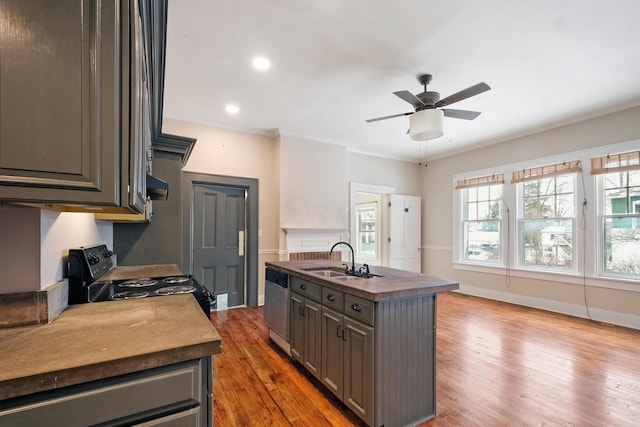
349	278
336	273
329	273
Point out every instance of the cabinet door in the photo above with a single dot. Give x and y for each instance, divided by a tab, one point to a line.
297	327
139	114
60	85
70	79
332	350
313	335
358	368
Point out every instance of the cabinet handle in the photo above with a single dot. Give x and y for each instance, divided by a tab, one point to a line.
331	298
301	310
303	287
344	335
355	307
338	330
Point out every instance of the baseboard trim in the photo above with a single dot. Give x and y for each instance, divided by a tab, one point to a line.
596	314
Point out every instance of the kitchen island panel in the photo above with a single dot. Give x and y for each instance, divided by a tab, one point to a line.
394	312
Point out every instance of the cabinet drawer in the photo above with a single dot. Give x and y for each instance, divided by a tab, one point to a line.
110	399
332	298
307	289
359	309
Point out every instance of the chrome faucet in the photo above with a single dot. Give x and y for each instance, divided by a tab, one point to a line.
353	258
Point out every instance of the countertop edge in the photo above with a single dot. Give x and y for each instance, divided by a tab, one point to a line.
85	374
40	380
420	286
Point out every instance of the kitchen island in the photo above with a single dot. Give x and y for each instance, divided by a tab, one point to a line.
104	361
370	341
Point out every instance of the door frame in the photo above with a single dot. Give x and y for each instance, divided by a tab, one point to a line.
250	185
356	187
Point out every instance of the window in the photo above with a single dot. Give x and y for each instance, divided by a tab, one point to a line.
481	218
562	223
619	213
547	215
366	229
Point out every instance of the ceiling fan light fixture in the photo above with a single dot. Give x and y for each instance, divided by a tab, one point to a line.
426	124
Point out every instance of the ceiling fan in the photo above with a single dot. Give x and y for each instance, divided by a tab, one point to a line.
426	121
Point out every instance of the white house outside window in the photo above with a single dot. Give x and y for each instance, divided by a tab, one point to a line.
482	217
619	213
547	215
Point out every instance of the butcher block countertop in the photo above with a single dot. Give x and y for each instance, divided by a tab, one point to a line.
89	342
388	284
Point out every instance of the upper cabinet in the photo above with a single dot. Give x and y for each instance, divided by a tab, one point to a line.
75	103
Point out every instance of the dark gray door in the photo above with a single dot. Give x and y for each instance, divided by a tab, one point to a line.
219	242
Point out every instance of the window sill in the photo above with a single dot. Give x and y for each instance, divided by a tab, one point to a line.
569	278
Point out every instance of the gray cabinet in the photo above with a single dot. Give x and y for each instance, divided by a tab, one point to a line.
174	395
376	357
330	338
296	327
332	362
72	122
358	379
305	332
347	361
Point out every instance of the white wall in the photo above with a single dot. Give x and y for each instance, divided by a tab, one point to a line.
61	231
619	306
404	177
314	192
34	244
239	154
303	183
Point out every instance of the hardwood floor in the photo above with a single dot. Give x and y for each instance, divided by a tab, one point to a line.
497	365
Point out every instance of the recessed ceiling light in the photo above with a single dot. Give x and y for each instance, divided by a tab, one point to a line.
232	109
261	63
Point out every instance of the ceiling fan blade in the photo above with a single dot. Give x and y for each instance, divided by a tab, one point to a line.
388	117
409	97
464	94
461	114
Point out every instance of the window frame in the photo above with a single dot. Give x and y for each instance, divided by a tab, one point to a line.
520	219
588	228
463	193
601	217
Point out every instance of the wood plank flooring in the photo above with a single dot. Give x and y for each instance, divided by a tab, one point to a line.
497	365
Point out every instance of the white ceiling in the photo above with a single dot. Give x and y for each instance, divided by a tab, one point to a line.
335	63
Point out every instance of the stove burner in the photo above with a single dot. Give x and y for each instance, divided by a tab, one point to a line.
130	294
172	290
138	283
176	279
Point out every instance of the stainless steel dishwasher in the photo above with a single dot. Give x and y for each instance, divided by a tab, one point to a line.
276	306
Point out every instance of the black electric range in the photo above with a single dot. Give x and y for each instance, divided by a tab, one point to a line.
86	265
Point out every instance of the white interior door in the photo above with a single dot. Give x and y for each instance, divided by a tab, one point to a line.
405	232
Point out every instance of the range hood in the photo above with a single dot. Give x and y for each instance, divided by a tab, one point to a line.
157	189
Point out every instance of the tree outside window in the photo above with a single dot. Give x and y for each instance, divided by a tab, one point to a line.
621	223
547	222
481	223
